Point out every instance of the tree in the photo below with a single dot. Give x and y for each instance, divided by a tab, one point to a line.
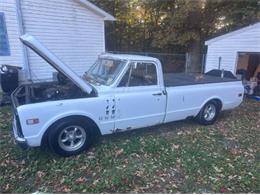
137	21
190	23
178	26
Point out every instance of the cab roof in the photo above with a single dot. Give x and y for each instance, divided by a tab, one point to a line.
127	57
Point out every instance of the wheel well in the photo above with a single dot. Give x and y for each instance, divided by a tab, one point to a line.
217	101
95	129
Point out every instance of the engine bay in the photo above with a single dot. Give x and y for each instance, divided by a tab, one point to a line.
47	91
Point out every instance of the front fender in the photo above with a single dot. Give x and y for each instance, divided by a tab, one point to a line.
35	139
68	114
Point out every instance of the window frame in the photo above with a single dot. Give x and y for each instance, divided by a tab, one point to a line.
127	68
6	38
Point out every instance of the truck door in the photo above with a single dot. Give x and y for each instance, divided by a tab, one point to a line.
140	100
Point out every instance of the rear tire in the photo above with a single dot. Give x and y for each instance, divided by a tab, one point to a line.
209	113
70	137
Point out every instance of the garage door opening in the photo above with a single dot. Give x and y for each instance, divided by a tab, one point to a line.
248	65
248	69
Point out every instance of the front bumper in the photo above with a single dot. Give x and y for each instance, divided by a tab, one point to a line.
20	141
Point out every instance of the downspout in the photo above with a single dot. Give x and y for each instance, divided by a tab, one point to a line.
26	66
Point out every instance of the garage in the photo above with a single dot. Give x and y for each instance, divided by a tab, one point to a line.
238	52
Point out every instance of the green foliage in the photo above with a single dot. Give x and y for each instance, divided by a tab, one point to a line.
173	25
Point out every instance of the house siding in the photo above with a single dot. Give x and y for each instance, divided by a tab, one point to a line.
71	31
228	48
8	7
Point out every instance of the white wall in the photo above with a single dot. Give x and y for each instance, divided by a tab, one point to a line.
8	7
74	33
228	48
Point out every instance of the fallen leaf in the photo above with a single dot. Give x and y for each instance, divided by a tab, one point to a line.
119	152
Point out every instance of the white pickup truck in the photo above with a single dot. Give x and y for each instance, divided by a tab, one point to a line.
118	93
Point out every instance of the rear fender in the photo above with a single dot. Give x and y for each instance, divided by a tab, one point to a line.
209	99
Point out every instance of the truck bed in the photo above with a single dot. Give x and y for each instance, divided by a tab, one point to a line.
182	79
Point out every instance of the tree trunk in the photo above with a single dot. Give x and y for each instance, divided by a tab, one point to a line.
195	57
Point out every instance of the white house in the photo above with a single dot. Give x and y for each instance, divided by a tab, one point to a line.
236	50
72	29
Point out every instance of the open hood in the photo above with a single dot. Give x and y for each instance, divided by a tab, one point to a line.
55	62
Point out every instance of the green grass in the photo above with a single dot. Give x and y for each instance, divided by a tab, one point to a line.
178	157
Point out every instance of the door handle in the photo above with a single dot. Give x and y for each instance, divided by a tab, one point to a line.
157	94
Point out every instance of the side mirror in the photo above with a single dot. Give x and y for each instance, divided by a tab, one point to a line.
4	69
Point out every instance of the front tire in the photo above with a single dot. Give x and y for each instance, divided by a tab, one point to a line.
70	137
209	113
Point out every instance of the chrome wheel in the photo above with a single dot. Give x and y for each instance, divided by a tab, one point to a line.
72	138
209	112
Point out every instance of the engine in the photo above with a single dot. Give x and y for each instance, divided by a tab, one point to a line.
47	91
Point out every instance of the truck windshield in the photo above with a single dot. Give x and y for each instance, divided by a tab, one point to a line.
105	71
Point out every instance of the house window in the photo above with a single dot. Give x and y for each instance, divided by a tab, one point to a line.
4	43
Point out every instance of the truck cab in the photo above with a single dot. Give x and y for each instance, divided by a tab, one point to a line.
138	84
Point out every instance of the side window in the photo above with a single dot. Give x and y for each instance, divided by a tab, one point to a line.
4	43
139	74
